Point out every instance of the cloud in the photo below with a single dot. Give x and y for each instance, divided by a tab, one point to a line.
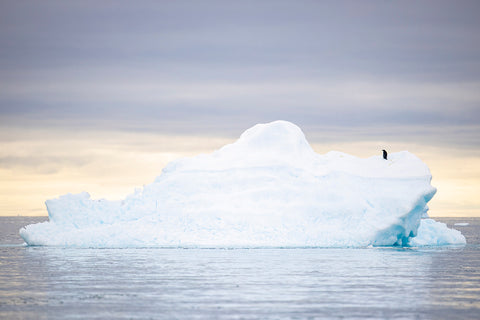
297	38
211	107
218	67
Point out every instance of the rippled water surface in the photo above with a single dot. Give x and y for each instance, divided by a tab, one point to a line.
381	283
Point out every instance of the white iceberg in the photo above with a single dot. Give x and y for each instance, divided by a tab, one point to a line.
462	224
268	189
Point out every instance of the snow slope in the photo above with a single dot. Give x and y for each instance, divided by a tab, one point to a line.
269	188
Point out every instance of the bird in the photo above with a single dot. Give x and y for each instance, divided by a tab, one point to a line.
384	154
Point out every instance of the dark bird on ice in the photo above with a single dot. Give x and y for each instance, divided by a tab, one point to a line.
384	154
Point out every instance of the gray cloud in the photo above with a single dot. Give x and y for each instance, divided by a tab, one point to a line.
217	67
41	164
317	38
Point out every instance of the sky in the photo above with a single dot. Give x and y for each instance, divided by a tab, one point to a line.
99	96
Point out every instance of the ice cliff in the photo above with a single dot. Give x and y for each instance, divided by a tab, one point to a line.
268	189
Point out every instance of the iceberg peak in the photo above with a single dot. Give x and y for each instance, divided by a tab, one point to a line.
279	137
269	144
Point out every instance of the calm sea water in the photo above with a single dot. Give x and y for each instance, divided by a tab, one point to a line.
370	283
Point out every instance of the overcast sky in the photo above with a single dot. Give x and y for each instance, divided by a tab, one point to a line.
402	71
213	65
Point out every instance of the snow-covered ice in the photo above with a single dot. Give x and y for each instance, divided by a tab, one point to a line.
268	189
462	224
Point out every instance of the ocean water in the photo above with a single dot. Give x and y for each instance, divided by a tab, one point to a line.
368	283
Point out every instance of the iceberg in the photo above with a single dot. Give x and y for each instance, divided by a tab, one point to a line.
267	189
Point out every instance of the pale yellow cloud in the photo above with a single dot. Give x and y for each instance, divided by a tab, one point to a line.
107	165
38	165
